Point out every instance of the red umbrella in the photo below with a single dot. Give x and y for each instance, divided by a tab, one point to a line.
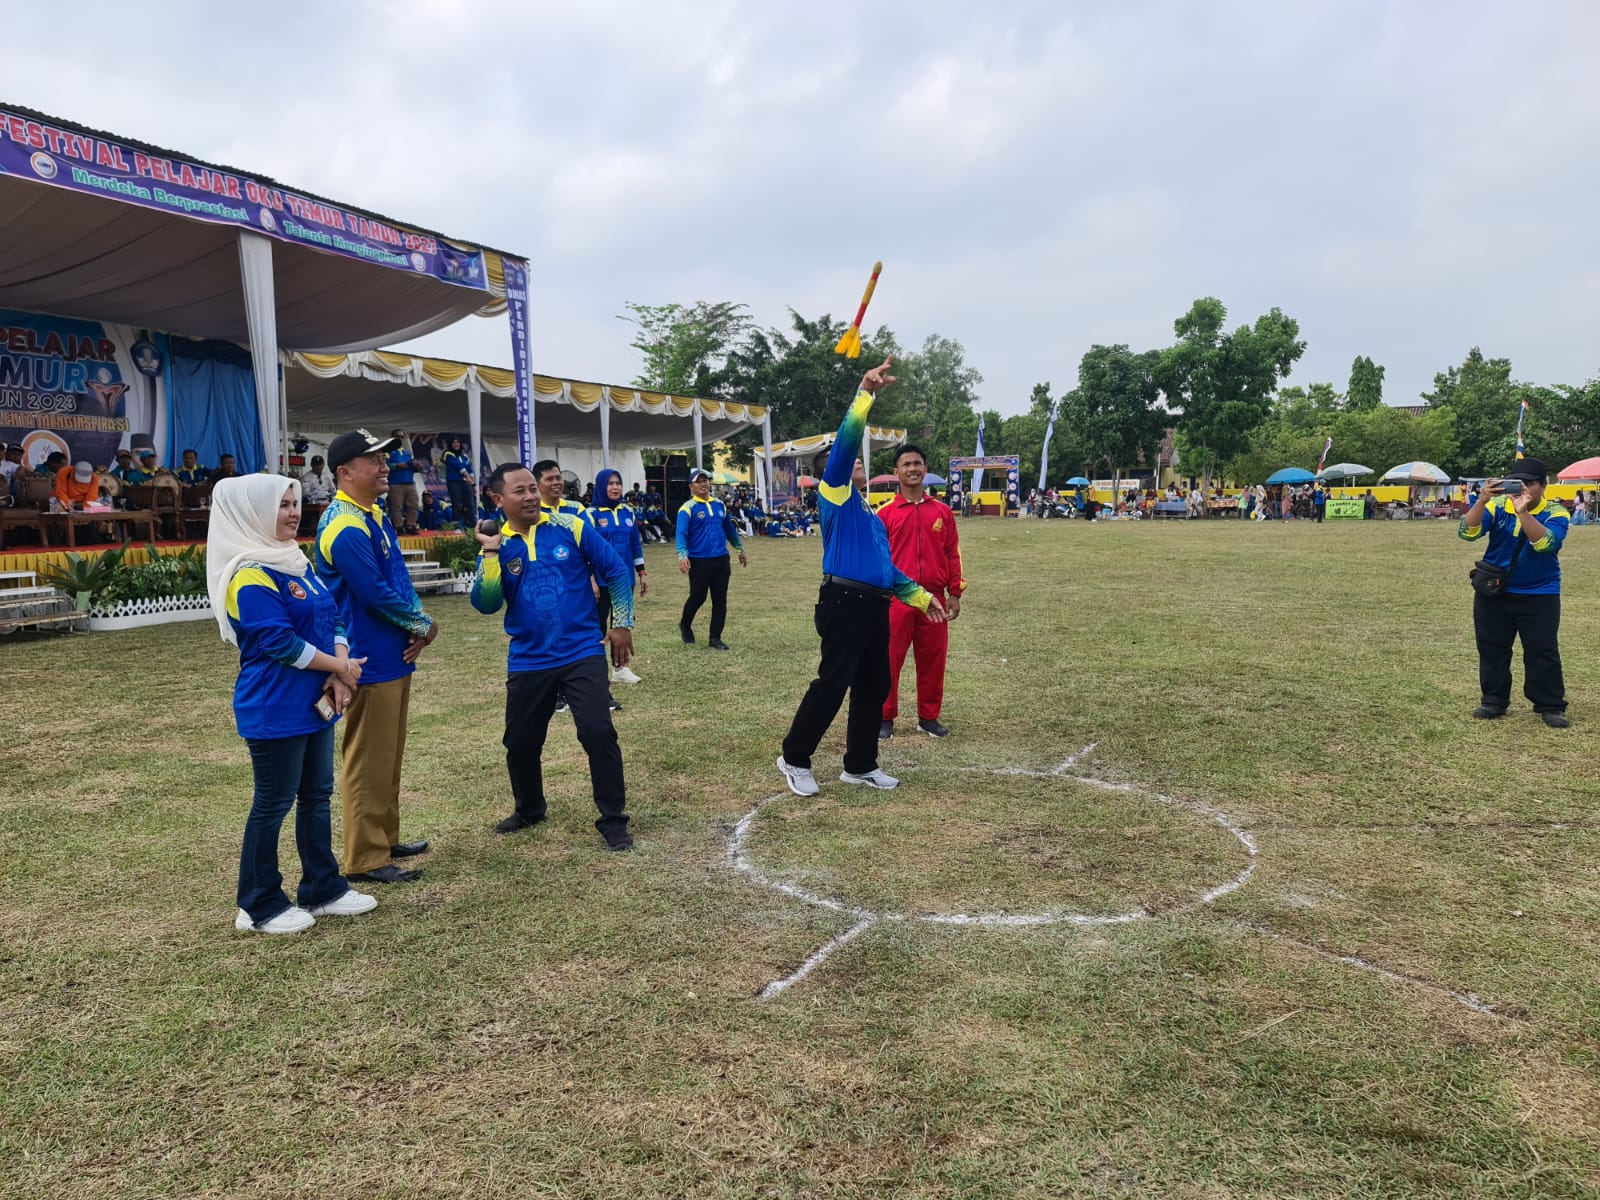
1584	471
883	479
807	481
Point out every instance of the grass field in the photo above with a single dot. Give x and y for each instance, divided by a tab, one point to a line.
541	1018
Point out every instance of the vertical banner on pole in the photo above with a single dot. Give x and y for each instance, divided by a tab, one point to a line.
766	441
521	359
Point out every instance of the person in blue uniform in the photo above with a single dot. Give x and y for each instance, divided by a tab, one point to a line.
358	553
553	489
1526	532
296	676
852	613
615	520
144	472
402	500
538	568
704	533
459	480
191	473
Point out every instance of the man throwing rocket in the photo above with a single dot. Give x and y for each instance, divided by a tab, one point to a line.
925	548
852	613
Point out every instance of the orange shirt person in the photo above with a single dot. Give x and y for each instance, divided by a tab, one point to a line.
77	486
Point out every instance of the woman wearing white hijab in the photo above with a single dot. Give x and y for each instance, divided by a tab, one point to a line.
295	678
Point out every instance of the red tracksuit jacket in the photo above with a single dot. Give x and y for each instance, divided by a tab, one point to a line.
923	543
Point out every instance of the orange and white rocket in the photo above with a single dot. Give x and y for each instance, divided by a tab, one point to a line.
850	344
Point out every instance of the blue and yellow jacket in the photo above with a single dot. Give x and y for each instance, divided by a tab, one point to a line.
704	529
281	621
617	524
457	467
402	467
543	581
565	508
192	476
359	556
1538	569
855	544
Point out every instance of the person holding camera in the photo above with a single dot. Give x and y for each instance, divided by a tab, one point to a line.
1518	591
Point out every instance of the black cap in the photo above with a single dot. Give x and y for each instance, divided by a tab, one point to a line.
350	446
1531	470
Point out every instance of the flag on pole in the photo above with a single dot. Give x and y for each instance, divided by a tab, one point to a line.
1326	447
1044	458
977	476
1522	411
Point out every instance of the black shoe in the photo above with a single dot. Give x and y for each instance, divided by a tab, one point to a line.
561	704
409	849
885	731
622	841
687	632
933	728
615	707
1487	712
717	644
388	873
515	822
1554	719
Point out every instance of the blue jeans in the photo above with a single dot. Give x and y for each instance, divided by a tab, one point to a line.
284	769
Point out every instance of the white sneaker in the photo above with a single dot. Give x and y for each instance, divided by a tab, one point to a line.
290	920
873	778
623	675
800	779
347	905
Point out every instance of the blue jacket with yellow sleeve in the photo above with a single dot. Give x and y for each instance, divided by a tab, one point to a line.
704	529
542	579
281	622
1538	569
855	544
358	554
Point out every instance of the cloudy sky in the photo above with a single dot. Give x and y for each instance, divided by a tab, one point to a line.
1406	179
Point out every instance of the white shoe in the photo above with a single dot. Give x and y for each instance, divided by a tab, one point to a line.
800	779
623	675
873	778
347	905
290	920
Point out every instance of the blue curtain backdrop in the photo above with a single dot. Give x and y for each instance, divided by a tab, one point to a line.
211	394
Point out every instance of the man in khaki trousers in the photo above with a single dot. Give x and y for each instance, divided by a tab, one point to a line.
358	554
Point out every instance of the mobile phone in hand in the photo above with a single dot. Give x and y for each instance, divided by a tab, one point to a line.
1511	487
324	707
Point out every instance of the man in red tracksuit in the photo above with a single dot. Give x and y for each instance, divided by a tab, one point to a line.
924	546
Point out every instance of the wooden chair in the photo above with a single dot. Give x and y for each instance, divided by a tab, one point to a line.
33	491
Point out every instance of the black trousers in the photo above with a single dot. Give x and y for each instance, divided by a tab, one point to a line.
530	701
854	627
463	503
1499	622
708	575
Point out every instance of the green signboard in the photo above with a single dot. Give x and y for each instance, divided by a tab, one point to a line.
1345	509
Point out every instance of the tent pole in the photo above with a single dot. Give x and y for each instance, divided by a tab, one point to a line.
261	317
605	428
766	478
283	400
475	421
699	450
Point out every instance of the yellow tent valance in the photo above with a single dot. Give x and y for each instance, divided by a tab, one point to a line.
447	375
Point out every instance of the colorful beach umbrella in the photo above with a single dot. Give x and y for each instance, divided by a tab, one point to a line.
1291	475
1415	472
1345	471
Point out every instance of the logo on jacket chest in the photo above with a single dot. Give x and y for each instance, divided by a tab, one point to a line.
514	566
561	553
938	524
295	590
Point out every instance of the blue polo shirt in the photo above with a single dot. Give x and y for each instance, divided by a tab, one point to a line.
281	621
704	529
359	555
1538	569
620	528
543	582
192	476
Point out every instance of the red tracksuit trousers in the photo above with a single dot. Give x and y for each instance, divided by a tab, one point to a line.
910	630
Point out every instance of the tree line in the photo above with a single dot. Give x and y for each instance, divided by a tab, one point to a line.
1220	392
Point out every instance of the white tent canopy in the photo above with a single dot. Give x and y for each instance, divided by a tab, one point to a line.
582	425
103	228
